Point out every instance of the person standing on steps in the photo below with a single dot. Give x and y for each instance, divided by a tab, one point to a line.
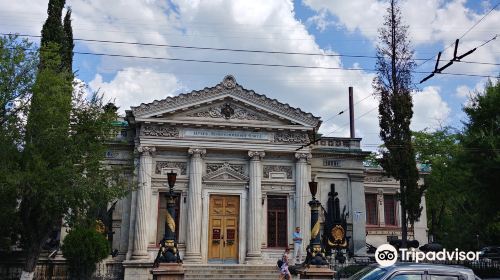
284	272
297	246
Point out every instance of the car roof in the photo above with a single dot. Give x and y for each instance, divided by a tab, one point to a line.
427	266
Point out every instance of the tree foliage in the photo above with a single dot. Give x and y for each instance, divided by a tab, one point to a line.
55	162
83	248
393	84
462	188
17	74
481	156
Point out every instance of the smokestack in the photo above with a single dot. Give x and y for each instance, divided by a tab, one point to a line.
351	112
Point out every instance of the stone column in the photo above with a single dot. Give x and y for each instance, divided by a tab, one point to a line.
254	254
143	202
194	201
302	197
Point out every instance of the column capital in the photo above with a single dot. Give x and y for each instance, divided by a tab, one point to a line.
256	155
197	151
303	156
146	150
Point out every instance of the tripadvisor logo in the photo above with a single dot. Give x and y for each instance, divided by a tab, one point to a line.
387	255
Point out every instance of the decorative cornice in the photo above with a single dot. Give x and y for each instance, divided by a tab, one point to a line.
146	150
197	151
256	155
228	87
303	156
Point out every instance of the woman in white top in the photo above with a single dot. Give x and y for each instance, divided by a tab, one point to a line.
284	273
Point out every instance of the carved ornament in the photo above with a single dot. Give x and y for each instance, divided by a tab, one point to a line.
182	166
157	130
278	168
291	137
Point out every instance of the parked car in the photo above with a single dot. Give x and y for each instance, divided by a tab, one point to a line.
415	271
490	252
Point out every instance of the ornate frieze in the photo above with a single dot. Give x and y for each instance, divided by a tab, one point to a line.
212	167
158	130
235	112
182	166
277	168
227	87
291	137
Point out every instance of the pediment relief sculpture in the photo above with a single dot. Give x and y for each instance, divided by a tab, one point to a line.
228	111
226	173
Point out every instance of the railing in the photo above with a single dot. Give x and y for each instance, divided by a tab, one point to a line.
50	270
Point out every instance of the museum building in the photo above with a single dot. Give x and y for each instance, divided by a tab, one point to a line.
243	167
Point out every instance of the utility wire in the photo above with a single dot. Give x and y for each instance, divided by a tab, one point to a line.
345	109
262	64
221	49
463	35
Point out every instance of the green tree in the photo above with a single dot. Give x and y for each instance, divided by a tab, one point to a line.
65	143
440	150
481	155
393	84
17	75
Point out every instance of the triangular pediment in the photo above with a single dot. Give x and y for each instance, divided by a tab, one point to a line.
225	173
227	101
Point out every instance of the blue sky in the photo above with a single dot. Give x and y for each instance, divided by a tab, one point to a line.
312	26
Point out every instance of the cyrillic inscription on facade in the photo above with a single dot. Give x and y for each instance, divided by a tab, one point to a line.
233	134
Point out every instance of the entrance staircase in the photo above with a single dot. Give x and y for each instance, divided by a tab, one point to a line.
230	271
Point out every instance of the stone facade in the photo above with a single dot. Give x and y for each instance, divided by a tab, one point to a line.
229	141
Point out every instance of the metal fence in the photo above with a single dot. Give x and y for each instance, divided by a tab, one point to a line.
52	270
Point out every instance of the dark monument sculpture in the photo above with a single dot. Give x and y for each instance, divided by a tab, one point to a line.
315	252
335	229
168	252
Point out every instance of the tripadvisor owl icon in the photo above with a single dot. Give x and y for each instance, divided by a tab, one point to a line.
386	255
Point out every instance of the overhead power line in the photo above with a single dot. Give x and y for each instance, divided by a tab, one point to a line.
223	49
463	35
455	58
262	64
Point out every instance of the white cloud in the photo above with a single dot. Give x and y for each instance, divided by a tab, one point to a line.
133	86
430	110
320	20
263	25
430	21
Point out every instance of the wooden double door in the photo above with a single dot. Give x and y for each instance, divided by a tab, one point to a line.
223	229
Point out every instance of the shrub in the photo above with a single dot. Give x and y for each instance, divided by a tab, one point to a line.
83	248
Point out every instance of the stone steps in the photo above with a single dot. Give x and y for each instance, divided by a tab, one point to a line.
231	272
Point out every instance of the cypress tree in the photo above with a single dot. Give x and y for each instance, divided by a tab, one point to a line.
67	44
393	84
